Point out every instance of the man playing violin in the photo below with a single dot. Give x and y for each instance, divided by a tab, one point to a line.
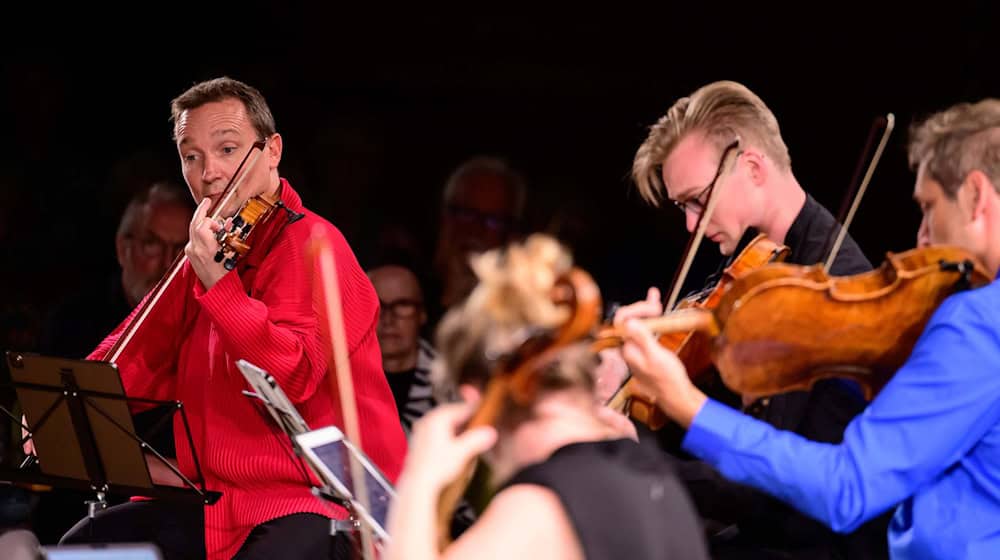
724	137
261	311
930	440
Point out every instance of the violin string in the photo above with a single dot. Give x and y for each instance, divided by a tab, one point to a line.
890	121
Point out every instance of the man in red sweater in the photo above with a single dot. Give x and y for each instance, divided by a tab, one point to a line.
264	312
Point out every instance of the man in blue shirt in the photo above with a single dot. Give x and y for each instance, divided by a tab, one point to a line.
929	443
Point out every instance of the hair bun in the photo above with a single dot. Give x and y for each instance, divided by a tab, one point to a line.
516	283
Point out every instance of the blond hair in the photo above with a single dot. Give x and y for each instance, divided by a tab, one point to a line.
957	141
723	111
511	303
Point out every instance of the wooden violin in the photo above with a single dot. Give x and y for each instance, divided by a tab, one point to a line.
783	327
235	241
692	347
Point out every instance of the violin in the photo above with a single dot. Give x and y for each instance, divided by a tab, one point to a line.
692	346
515	376
783	327
234	242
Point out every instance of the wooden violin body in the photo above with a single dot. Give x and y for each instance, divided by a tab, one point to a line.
783	327
235	242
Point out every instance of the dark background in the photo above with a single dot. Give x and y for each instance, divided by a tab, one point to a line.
377	106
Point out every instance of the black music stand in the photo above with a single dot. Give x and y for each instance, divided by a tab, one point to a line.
83	433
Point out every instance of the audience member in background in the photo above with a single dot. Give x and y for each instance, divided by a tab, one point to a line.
482	207
406	357
152	232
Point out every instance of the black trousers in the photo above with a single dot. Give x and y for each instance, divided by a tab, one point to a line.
179	531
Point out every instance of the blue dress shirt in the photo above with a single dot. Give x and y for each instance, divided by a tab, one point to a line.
928	445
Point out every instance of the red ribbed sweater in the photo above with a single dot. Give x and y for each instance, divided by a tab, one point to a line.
263	312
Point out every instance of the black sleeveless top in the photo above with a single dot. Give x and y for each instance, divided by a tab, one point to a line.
623	500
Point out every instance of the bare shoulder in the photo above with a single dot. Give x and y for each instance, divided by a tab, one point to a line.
523	520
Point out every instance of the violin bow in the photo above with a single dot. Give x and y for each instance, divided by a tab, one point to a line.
158	290
695	240
342	383
889	122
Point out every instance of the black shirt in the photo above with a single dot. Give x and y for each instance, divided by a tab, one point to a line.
810	239
400	382
623	500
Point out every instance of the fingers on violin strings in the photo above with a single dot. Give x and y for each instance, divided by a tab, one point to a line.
639	333
199	216
653	303
645	308
653	296
201	212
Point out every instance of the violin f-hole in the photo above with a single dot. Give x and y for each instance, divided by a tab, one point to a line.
964	268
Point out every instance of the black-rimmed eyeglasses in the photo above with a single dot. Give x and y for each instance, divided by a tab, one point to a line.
697	202
401	308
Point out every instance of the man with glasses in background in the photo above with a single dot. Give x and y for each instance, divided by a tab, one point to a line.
724	137
152	231
406	357
481	209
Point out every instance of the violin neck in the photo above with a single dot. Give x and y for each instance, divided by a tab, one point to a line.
683	320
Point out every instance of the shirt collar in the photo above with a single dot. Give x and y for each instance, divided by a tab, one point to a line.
805	217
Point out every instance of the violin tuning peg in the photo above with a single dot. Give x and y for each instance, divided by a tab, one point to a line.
230	263
219	256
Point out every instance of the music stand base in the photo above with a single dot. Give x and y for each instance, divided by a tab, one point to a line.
94	506
344	526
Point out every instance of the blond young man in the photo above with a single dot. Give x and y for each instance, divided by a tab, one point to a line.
723	136
930	441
